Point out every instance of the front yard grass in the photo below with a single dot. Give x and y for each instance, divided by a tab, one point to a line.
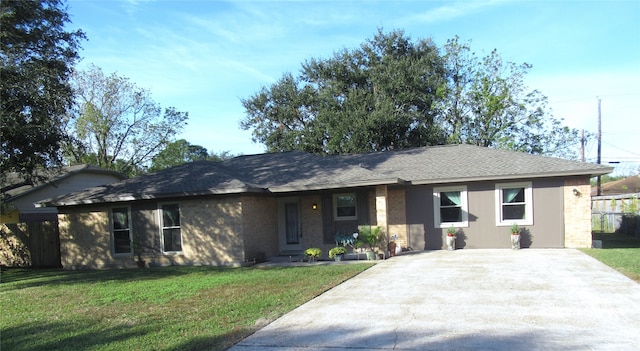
170	308
619	251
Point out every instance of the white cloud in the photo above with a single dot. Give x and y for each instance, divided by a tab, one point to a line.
453	10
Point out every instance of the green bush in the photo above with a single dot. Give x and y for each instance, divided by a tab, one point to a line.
338	250
313	252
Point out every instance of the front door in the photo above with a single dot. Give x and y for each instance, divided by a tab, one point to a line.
289	224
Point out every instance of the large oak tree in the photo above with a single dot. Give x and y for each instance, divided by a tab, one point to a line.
392	93
376	97
36	59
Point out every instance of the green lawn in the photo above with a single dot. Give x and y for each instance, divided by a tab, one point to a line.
170	308
619	251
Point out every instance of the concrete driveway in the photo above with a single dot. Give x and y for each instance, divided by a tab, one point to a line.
558	299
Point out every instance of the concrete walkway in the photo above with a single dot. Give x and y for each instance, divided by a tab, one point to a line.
467	300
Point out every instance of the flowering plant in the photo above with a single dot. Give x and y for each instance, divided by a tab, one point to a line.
338	250
313	253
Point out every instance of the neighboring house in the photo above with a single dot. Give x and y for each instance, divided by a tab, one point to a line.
257	206
628	185
28	234
55	182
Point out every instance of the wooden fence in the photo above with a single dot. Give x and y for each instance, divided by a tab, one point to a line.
30	244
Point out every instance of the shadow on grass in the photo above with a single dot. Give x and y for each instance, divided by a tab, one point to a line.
19	278
617	241
65	336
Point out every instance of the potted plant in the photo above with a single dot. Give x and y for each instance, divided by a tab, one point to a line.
515	236
313	253
451	238
392	246
337	253
372	236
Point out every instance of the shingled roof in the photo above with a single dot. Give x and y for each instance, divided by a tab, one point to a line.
16	186
299	171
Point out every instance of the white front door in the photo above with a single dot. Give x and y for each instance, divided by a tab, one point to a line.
289	224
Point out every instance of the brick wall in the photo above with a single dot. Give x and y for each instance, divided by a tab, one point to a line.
577	213
211	231
260	227
397	215
312	226
85	239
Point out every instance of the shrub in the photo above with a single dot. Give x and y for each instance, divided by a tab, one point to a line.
313	252
338	250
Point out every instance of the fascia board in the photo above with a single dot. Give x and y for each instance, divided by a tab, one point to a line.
590	173
311	187
129	198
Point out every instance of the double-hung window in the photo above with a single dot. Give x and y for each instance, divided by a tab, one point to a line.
171	233
514	204
121	231
450	207
345	207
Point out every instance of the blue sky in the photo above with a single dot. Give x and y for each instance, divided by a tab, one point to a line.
203	56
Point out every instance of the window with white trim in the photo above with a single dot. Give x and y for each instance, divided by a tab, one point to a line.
170	223
514	204
345	207
450	207
121	231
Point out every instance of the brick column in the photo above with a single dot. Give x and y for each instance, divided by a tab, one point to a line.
381	208
577	213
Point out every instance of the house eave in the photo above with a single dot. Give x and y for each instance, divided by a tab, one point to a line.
338	185
590	173
139	197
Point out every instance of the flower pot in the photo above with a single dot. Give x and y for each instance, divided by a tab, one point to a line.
392	248
338	258
371	256
515	241
451	242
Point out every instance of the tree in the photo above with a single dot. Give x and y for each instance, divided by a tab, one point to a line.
181	151
118	126
486	103
373	98
37	55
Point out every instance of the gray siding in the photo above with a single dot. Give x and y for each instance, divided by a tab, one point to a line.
547	230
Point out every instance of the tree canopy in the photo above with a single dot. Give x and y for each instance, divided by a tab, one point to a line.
117	125
37	55
181	151
486	103
393	93
376	97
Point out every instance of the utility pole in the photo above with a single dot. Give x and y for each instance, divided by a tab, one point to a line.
582	141
599	185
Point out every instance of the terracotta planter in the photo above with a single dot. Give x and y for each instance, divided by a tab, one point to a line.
392	248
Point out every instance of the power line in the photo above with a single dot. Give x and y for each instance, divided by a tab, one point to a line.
621	149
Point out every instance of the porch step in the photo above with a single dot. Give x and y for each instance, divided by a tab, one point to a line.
292	253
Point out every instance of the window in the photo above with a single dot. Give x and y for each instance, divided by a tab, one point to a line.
171	235
450	207
345	207
514	204
121	231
